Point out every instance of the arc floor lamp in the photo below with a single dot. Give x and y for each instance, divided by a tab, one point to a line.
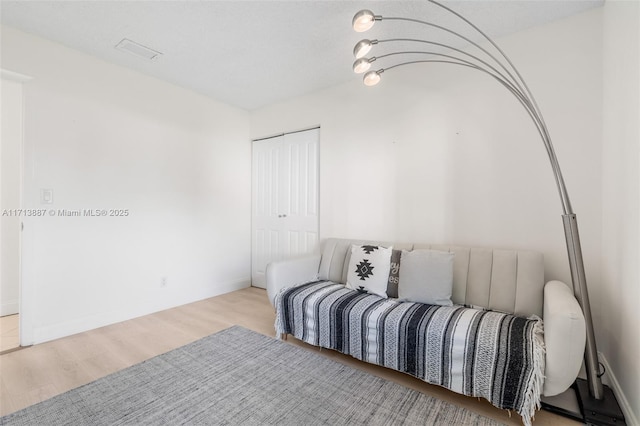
595	398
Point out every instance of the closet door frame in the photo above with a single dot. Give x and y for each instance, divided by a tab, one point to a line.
285	199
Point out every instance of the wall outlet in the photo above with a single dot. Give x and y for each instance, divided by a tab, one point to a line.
163	282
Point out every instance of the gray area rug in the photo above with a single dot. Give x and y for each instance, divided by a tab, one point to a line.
239	377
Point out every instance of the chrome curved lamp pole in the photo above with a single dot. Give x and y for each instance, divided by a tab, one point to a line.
506	74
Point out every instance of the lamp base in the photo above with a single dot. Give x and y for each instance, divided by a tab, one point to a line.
578	404
605	411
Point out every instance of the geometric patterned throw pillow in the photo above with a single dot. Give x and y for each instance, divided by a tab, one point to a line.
369	269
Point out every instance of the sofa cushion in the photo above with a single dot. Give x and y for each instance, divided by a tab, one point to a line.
369	267
502	280
426	276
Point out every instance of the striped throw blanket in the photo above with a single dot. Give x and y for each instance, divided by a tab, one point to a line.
478	353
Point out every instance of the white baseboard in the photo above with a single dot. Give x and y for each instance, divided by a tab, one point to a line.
233	286
9	308
629	416
79	325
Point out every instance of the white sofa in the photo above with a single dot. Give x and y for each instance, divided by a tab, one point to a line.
509	281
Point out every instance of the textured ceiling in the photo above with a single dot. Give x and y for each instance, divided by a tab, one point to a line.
253	53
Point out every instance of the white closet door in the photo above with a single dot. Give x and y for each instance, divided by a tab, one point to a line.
285	199
265	244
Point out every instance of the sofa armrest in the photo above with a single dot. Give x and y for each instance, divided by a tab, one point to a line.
564	337
291	272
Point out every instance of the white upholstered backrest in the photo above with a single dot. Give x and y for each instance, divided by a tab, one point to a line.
503	280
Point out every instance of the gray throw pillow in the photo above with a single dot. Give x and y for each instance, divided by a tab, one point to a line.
426	276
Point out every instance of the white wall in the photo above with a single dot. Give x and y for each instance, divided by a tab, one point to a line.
621	192
441	154
10	159
104	137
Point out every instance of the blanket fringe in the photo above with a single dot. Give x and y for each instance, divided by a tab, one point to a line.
535	383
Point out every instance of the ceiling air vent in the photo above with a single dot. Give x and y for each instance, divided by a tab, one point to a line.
138	49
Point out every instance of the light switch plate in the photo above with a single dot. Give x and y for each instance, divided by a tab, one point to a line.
46	196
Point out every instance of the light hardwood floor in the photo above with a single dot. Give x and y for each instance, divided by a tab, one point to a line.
9	338
39	372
